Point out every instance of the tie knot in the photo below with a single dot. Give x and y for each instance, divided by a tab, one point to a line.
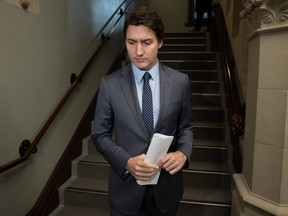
146	76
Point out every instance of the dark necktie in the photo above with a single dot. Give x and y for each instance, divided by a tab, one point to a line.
147	104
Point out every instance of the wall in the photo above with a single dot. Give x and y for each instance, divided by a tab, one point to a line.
38	53
174	14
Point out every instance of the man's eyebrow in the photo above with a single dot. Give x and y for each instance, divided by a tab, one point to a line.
142	40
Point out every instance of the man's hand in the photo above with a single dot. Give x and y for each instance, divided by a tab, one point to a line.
173	162
140	169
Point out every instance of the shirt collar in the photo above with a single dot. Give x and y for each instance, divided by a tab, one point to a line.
138	74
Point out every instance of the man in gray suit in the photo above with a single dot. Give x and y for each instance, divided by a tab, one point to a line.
119	112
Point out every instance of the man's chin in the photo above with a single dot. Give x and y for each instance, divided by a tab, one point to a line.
142	67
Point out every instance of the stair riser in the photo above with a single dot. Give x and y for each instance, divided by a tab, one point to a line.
93	171
87	200
203	210
198	48
185	34
186	56
208	115
207	181
198	75
206	100
193	40
209	133
205	87
188	65
209	155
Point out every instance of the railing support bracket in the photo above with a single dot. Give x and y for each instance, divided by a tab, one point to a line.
25	144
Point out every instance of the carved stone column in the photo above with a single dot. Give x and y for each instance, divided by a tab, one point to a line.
263	13
262	188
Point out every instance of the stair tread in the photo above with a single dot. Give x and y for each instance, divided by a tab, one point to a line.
209	167
207	107
89	184
206	94
207	195
95	157
194	52
191	60
184	45
204	81
209	143
199	70
80	211
209	124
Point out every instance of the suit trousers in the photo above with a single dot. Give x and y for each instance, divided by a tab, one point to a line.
149	207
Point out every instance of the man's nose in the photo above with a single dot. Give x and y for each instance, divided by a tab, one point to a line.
139	50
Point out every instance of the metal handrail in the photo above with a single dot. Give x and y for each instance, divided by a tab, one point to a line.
32	147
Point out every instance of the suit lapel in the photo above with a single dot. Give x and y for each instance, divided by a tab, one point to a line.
129	89
166	84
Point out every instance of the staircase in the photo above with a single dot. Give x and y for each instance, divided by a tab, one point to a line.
207	181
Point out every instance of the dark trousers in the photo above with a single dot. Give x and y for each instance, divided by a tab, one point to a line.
149	207
199	20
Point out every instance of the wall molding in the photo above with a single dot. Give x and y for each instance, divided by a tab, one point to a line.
252	204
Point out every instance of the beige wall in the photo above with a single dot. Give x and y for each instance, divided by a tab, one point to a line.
174	14
38	53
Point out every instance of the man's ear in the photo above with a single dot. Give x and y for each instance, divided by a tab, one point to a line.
160	44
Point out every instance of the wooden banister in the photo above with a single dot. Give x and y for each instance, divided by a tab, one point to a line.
25	156
236	109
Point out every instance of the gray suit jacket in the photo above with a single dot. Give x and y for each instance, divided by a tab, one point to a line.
118	111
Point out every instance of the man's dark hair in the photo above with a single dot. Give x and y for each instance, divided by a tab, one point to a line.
147	17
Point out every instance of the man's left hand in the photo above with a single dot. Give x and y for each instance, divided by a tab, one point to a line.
173	162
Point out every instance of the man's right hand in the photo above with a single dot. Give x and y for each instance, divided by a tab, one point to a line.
140	169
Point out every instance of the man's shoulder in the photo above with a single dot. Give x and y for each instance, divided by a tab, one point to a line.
119	72
172	71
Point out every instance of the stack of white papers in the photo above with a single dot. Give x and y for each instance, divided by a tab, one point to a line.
157	150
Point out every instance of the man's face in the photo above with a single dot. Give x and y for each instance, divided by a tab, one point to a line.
142	46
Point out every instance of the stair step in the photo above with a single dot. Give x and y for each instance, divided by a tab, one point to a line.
203	209
209	86
80	211
184	40
200	166
213	155
209	130
206	195
205	99
208	114
201	75
207	179
184	55
184	47
191	64
185	34
209	143
90	169
88	193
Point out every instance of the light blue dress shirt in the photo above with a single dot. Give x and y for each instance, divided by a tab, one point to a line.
154	83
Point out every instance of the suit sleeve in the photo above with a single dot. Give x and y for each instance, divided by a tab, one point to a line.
185	124
102	133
